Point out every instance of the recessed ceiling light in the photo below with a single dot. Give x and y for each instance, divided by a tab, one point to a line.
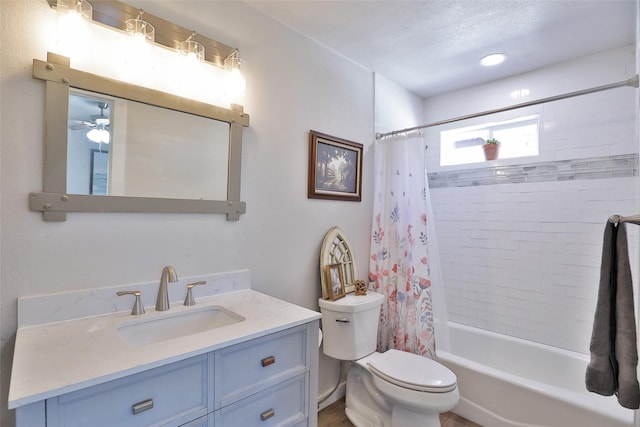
493	59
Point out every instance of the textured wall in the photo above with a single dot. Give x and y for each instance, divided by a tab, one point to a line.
293	85
523	257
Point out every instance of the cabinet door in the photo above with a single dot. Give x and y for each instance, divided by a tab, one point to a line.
169	396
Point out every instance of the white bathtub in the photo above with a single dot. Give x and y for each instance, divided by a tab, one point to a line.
509	382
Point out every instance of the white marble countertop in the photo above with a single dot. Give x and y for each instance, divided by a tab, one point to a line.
55	358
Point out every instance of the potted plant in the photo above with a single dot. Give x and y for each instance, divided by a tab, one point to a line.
491	147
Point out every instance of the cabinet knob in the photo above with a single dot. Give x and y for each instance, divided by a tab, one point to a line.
268	361
267	414
145	405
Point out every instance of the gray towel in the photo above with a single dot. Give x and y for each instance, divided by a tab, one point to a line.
614	354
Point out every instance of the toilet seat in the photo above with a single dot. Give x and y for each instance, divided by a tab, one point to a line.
412	371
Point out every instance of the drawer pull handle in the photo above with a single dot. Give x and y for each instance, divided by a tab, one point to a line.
268	361
343	320
267	414
145	405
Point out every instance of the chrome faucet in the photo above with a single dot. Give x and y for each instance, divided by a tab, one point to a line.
168	274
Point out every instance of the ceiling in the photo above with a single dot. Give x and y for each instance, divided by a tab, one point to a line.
433	46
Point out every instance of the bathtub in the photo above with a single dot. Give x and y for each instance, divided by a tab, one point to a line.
510	382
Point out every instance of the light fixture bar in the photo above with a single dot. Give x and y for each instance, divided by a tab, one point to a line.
115	14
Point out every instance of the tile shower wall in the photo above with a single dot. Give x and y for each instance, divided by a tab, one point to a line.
523	259
521	240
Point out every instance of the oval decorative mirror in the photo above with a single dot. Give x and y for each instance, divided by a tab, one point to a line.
336	249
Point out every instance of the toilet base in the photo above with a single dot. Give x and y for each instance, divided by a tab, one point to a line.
404	417
366	406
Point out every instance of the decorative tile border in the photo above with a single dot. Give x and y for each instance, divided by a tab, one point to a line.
620	166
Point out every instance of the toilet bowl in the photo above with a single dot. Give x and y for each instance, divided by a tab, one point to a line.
390	389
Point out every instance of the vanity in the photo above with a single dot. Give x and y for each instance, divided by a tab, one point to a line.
236	358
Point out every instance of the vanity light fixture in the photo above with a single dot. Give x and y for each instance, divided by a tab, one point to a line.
493	59
130	54
75	9
236	82
72	33
140	29
192	49
232	62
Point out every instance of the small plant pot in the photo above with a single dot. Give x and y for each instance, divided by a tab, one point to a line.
491	151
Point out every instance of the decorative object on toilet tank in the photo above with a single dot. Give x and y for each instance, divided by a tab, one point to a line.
335	282
361	287
491	148
336	249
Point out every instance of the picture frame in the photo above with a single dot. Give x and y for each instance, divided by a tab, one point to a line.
335	282
335	168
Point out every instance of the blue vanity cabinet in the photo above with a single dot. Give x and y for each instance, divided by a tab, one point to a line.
267	381
206	421
170	395
281	405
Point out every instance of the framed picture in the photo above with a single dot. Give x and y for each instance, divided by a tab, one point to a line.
335	168
335	282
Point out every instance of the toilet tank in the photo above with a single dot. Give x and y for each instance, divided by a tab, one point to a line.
350	325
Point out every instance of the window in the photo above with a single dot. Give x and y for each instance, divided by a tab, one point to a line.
518	137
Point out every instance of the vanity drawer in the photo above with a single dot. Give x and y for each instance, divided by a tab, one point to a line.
281	405
244	369
169	395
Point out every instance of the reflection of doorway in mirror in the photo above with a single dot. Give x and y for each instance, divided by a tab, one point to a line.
87	114
99	173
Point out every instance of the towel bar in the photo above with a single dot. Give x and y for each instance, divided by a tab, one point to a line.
617	219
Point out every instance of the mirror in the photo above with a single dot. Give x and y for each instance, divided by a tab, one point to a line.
116	147
336	249
119	147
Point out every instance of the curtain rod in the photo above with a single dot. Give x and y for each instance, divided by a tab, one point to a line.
632	82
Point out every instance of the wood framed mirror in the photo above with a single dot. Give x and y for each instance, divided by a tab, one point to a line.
63	83
336	249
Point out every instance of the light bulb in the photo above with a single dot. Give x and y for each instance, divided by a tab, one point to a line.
236	85
98	135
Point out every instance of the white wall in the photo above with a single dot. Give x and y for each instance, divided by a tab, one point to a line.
395	107
293	85
523	259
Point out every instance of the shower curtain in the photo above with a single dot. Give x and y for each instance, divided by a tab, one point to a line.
403	262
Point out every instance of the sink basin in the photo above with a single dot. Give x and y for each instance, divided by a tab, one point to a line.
163	328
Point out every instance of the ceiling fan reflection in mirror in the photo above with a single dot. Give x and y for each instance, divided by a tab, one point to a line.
97	125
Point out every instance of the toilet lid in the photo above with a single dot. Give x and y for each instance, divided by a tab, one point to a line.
412	371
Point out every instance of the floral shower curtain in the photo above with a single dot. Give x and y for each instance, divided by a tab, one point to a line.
400	266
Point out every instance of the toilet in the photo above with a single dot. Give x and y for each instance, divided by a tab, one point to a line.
390	389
